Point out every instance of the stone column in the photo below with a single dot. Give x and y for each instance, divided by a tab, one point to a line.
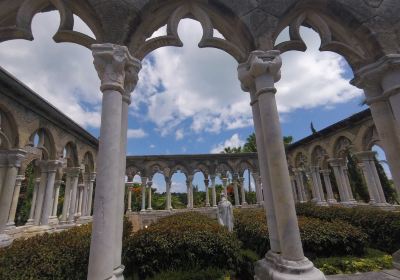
10	161
113	64
262	70
262	180
224	184
243	192
328	186
381	84
86	182
336	166
52	166
189	183
367	165
70	172
129	207
168	205
90	193
144	181
206	183
235	190
41	192
213	192
317	186
33	203
293	183
347	183
73	193
13	210
81	188
300	185
54	217
149	184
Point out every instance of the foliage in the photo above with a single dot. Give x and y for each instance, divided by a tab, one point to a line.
25	197
374	260
387	187
193	274
63	255
287	140
381	227
320	238
187	240
232	150
357	183
250	146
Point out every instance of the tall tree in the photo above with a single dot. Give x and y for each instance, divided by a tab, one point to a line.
387	187
250	146
287	140
313	130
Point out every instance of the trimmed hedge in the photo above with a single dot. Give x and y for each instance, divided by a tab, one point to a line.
319	238
195	274
382	227
63	255
188	240
374	260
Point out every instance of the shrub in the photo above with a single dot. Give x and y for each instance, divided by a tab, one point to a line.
193	274
374	260
382	227
319	238
63	255
187	240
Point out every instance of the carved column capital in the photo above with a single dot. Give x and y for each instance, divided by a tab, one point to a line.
365	156
259	63
376	80
144	180
116	68
149	183
12	158
73	171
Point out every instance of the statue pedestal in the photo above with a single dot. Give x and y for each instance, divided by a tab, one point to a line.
274	267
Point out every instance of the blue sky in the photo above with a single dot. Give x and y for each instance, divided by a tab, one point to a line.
188	100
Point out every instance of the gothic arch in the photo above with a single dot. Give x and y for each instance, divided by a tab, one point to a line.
70	155
88	162
8	130
339	29
237	42
45	143
319	156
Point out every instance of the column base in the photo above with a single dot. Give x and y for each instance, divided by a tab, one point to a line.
244	203
118	273
84	219
149	209
53	220
29	222
274	267
332	201
322	203
5	240
10	226
207	204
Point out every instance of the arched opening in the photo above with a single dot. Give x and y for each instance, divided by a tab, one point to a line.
179	190
8	130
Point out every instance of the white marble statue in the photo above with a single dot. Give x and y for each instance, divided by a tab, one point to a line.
225	212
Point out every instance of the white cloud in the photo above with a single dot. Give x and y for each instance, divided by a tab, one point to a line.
202	86
179	134
63	74
136	133
232	142
152	146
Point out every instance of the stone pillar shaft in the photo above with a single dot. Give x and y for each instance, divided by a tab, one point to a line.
149	184
48	197
33	203
236	191
328	186
116	70
213	192
13	210
56	196
73	195
40	195
206	183
144	180
243	192
129	199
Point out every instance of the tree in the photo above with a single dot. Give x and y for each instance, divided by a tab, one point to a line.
287	140
358	186
313	130
387	187
232	150
250	146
